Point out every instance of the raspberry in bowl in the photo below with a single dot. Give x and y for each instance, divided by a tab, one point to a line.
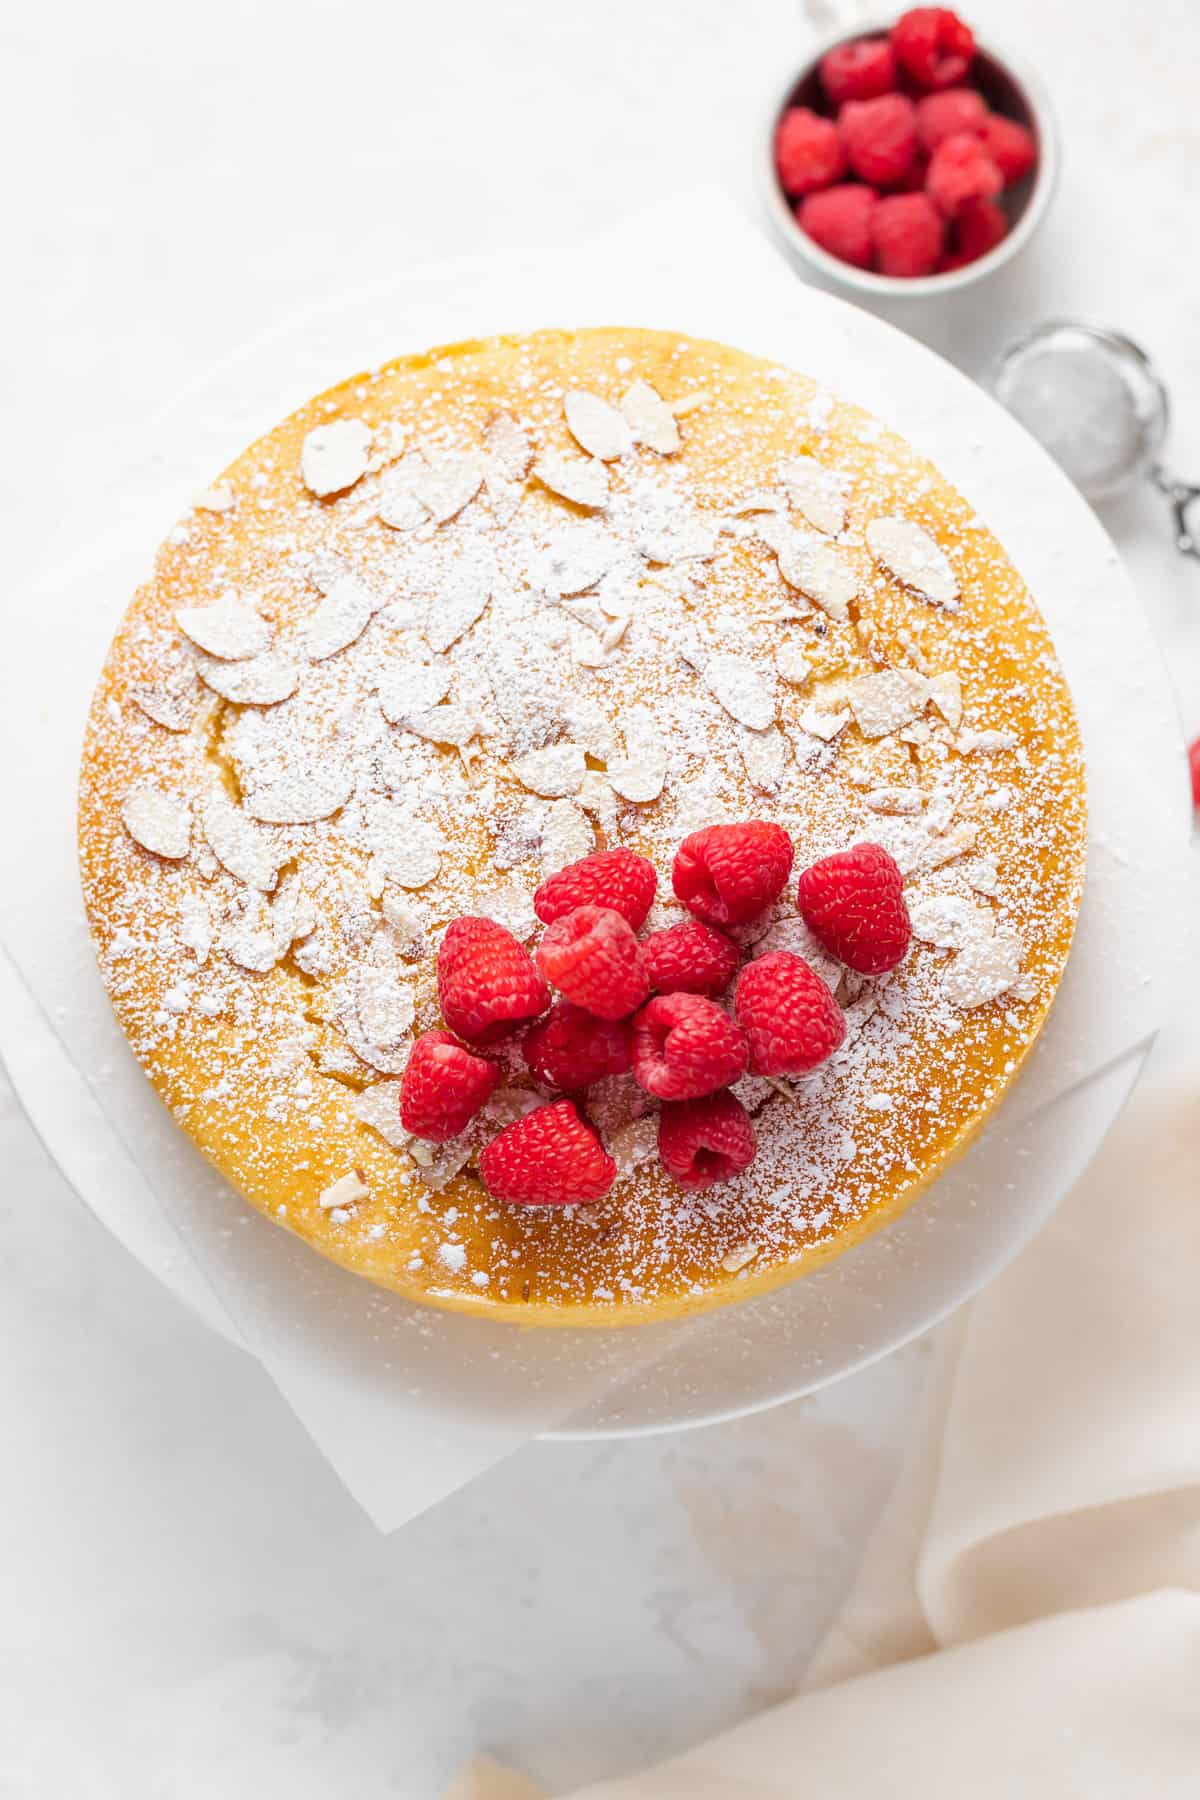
908	158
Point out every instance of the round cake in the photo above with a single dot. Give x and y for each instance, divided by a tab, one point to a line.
469	617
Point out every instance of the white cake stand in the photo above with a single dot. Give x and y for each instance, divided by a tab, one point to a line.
976	1218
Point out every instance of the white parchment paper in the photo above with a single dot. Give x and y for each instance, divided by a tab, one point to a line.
408	1403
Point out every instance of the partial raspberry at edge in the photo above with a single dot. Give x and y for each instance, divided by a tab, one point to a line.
809	153
861	70
934	46
839	220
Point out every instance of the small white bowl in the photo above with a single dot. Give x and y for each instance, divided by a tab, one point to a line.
1009	87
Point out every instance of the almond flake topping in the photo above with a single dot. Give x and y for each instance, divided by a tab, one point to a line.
258	681
984	968
228	628
824	723
945	691
335	456
987	743
340	618
792	664
639	775
302	796
596	426
406	689
743	689
816	492
509	446
444	487
159	822
378	1107
908	552
463	599
764	757
219	498
634	1144
346	1191
385	1005
172	702
411	856
895	800
884	702
739	1258
649	418
583	482
447	724
567	836
820	572
575	560
554	772
399	506
949	921
249	853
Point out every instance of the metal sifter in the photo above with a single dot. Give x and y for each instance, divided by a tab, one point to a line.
1096	402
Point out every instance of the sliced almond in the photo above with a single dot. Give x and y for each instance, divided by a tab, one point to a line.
447	724
259	681
385	1005
228	628
739	1258
241	846
509	446
378	1108
792	664
744	689
408	688
399	505
816	492
764	757
596	794
554	772
906	550
302	796
596	426
634	1144
985	743
510	905
159	822
583	482
567	836
575	559
899	800
172	702
445	486
825	722
348	1190
885	702
945	691
688	403
650	419
463	599
984	969
412	857
340	619
335	456
819	571
949	921
640	774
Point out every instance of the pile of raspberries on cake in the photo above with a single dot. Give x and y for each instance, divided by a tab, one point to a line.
647	1005
902	171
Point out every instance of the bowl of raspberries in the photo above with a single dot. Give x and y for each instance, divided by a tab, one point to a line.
910	159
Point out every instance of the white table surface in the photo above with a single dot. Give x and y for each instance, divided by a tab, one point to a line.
192	1606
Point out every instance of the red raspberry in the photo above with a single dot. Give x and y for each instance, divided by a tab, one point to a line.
960	170
1010	146
706	1140
859	71
839	219
853	903
726	874
1194	767
791	1018
808	151
950	112
978	228
443	1088
908	233
934	46
571	1048
486	981
880	137
592	956
548	1158
619	879
689	958
685	1046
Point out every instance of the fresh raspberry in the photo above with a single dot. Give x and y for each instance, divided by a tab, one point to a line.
685	1046
689	958
853	903
880	137
960	170
934	46
792	1020
859	71
978	228
619	879
726	874
444	1086
950	112
571	1048
908	234
486	981
918	169
548	1158
808	151
1194	767
839	219
592	956
1011	147
706	1140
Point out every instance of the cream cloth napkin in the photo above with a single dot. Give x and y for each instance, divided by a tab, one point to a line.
1026	1618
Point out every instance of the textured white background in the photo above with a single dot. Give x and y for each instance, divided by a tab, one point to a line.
192	1607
